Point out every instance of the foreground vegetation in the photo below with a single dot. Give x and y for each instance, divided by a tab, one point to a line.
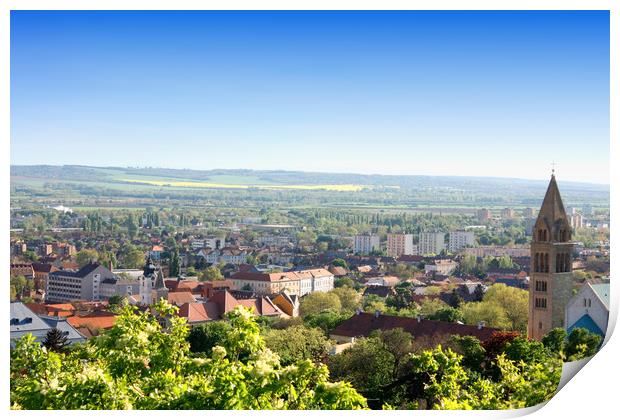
243	363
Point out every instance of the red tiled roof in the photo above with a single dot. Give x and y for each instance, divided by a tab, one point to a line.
199	312
179	298
100	320
363	324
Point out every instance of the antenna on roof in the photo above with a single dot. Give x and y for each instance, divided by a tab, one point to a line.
552	168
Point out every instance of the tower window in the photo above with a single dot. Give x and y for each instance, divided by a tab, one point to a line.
540	325
541	286
541	303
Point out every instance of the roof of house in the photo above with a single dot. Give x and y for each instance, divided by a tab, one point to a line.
338	271
365	323
179	298
81	273
199	312
602	291
588	323
93	321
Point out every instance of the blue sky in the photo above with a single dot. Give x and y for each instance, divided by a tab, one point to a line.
429	93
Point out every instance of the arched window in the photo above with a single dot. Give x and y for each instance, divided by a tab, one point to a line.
536	263
558	257
546	262
567	263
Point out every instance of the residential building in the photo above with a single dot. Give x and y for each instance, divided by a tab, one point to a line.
484	215
298	283
227	255
212	242
508	213
551	277
498	251
365	244
399	244
443	267
589	309
425	331
279	241
460	239
432	243
82	284
576	220
25	321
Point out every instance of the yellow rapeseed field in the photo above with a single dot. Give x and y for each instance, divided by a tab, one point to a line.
199	184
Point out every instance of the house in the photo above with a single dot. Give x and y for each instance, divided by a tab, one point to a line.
445	267
338	271
589	309
298	283
289	304
156	251
180	298
92	322
41	274
25	270
363	324
24	321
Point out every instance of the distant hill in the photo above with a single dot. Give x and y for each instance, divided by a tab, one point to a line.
418	188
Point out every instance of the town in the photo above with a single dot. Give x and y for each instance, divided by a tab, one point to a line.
336	286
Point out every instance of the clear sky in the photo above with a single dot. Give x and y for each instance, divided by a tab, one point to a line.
428	93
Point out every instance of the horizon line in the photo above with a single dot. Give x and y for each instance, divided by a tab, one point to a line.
316	172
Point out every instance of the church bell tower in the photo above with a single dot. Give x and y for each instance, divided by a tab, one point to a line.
551	276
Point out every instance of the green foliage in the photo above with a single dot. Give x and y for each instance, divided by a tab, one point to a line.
202	338
367	365
350	299
448	314
502	307
211	274
85	256
580	344
317	302
138	364
326	320
298	342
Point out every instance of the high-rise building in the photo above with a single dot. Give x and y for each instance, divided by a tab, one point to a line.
483	215
508	213
460	239
365	244
399	244
576	220
528	213
551	277
431	243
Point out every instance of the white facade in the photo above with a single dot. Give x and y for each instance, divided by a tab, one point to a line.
588	302
459	240
444	267
399	244
431	243
576	220
365	244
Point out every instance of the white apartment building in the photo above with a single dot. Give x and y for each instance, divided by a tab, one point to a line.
399	244
460	239
576	220
365	244
431	243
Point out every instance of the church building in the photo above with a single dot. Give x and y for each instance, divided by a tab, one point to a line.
551	277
